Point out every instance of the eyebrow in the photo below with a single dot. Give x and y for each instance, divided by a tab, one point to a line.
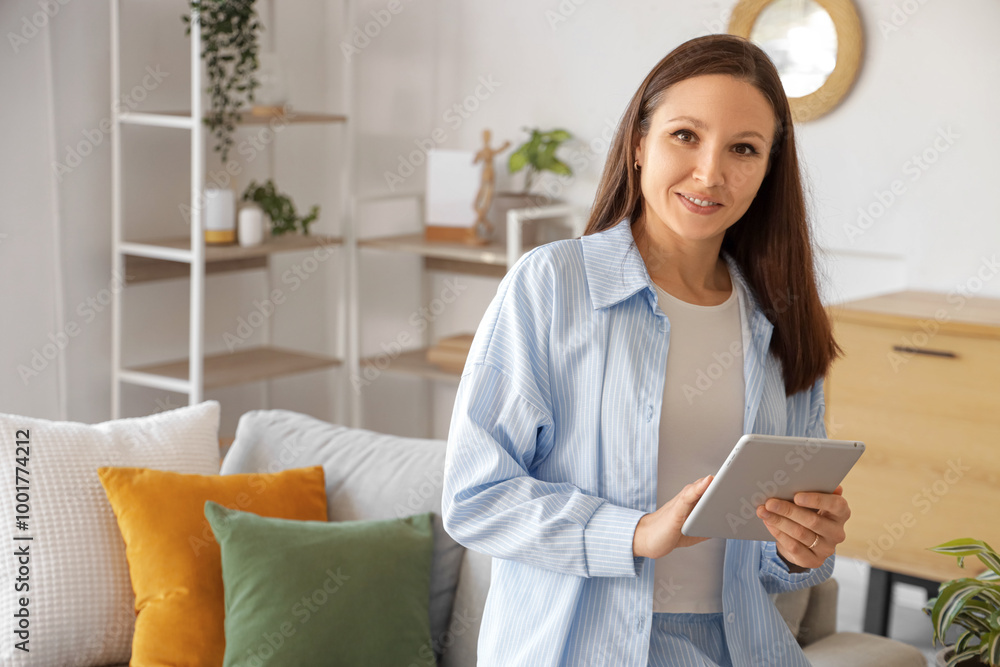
700	125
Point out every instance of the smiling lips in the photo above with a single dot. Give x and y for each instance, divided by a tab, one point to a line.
697	205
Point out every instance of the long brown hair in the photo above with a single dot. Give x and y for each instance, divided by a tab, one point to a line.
770	242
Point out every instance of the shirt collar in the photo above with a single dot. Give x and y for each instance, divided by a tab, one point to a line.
615	271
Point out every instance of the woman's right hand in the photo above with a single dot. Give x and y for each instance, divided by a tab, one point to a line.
659	532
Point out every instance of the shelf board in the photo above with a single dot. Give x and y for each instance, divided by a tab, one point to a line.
243	366
289	116
228	252
493	254
410	362
218	258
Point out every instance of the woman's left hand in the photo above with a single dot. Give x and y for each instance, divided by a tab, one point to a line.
808	530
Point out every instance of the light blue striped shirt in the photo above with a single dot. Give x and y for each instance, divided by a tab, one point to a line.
552	460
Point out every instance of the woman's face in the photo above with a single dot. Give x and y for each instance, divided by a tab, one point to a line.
709	140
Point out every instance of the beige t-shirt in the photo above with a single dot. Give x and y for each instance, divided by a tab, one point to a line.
701	421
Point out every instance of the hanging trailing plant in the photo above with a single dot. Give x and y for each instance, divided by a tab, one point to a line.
229	31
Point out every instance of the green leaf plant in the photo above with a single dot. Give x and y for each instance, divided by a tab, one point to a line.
539	154
972	603
229	30
279	207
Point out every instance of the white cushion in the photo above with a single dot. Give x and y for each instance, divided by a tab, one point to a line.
81	605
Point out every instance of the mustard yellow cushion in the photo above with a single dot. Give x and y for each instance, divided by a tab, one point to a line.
174	560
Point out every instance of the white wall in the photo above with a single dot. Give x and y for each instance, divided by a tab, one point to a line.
569	64
29	236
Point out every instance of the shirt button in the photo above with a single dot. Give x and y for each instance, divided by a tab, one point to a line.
649	413
731	618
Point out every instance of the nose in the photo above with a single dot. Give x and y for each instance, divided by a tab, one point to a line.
708	169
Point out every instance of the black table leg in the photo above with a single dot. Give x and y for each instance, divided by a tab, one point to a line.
879	602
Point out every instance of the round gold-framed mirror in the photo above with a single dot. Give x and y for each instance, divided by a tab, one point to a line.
815	44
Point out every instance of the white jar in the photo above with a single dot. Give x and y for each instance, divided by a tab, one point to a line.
251	225
220	215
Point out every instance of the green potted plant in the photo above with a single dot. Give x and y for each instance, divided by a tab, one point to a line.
972	603
534	156
538	154
279	208
229	48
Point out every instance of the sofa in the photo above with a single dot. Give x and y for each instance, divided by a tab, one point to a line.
377	476
82	602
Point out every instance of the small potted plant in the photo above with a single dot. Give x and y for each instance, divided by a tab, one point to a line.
538	154
279	208
534	156
972	603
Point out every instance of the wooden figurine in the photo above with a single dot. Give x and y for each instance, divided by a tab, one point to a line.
482	229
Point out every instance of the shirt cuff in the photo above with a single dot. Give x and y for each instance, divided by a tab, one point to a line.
774	566
607	539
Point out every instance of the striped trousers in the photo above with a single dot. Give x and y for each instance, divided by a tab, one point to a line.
688	640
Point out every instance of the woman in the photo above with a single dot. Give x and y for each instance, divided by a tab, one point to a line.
575	434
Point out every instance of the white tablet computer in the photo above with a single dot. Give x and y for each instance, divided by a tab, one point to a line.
762	467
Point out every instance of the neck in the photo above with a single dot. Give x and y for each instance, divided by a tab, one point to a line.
694	269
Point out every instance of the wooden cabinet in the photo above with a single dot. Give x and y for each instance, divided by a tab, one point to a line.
920	384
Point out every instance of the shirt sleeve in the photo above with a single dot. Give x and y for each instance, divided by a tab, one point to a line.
774	574
501	428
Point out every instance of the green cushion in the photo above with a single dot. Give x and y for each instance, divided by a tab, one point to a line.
325	593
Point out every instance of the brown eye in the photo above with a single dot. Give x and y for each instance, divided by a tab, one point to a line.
685	133
750	150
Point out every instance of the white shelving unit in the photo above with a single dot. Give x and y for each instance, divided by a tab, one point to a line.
493	260
189	257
